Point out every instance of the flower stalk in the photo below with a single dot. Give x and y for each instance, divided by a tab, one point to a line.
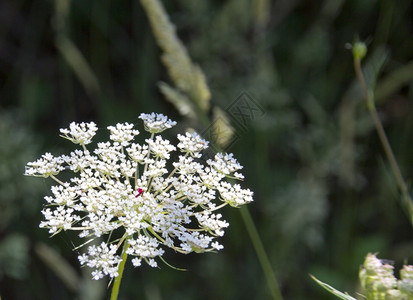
359	51
118	279
262	255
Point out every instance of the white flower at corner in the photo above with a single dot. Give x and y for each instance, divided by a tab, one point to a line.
151	196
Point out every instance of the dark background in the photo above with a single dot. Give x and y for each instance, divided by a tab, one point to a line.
324	193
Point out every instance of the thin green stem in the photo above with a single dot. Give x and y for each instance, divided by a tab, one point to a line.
262	255
57	180
116	284
369	97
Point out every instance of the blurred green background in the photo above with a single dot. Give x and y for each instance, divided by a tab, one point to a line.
324	194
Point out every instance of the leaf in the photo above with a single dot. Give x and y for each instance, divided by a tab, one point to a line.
332	290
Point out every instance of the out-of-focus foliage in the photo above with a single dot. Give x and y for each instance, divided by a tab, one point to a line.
20	200
324	196
187	77
19	196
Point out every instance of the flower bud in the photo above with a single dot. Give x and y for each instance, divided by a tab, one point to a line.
359	50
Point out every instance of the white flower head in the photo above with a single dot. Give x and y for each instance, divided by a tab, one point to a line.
80	133
103	258
45	166
122	133
156	123
225	163
134	192
160	147
192	143
138	152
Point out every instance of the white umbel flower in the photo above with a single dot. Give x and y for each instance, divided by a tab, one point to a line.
234	195
122	133
156	123
138	152
225	164
134	192
192	143
160	147
103	258
80	133
46	166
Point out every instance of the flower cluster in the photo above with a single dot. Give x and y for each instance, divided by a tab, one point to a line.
378	281
134	192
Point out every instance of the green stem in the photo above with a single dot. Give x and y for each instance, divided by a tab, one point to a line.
262	255
57	180
116	284
369	97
